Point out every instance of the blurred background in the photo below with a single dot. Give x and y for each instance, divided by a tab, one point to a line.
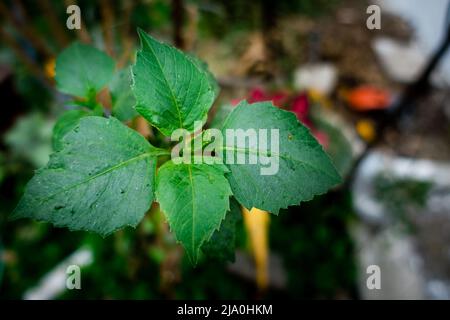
377	99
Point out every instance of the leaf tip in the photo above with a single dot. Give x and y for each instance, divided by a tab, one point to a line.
143	35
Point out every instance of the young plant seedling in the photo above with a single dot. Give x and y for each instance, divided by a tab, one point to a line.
103	175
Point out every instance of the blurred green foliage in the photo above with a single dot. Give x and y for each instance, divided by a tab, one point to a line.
223	16
316	248
30	139
396	192
401	196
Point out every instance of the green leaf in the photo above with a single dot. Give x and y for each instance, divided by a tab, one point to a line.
66	122
171	90
30	139
221	115
82	70
304	169
122	97
101	180
222	244
339	147
202	65
194	199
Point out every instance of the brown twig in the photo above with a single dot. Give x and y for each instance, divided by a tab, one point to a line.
190	35
23	57
56	26
107	26
24	29
177	23
104	97
126	40
142	126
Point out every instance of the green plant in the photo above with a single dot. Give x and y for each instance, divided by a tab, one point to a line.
401	196
103	175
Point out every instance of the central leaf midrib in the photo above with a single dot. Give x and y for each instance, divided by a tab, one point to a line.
255	151
193	205
168	85
108	170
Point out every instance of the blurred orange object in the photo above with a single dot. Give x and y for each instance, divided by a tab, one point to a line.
366	129
366	98
49	68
